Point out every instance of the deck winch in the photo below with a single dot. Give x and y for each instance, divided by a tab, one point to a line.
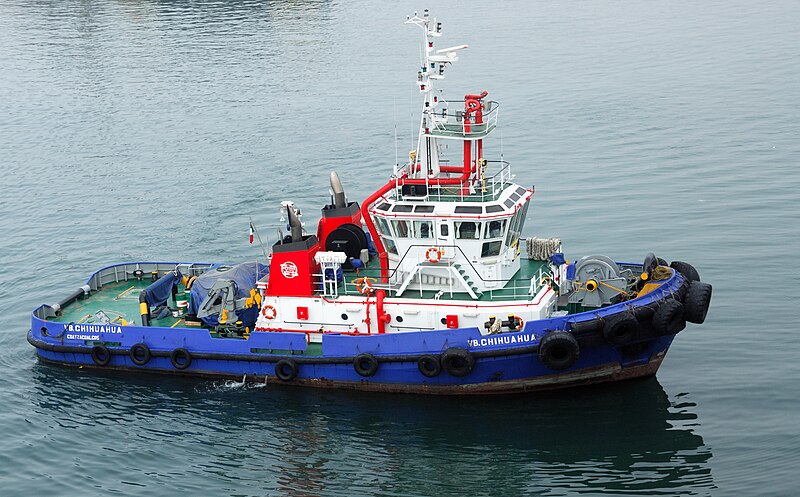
597	281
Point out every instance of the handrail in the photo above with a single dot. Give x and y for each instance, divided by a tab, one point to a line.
449	263
495	185
448	122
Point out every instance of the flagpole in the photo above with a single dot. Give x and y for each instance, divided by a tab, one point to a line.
263	250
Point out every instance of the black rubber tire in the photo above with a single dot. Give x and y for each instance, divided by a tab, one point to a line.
621	328
457	361
101	355
687	270
662	262
286	370
429	366
559	350
588	326
644	313
180	354
366	364
668	318
140	354
696	302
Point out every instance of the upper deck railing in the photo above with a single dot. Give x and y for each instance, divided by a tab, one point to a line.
452	125
485	189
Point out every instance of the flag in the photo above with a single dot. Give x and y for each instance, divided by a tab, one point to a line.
252	231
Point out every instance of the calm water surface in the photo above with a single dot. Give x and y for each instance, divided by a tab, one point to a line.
153	130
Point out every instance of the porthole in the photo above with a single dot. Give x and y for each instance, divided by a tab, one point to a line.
399	319
344	317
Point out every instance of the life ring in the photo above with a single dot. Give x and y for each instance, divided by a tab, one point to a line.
180	358
364	285
101	355
269	312
365	364
620	329
457	361
286	370
433	255
668	318
140	354
429	366
559	350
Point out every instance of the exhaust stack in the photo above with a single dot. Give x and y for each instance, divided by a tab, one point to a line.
339	198
295	224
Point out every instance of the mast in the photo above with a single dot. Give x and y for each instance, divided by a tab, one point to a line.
426	161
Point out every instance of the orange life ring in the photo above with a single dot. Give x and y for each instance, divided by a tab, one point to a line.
364	285
433	254
269	312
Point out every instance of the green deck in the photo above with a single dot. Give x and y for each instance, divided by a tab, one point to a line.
514	289
120	300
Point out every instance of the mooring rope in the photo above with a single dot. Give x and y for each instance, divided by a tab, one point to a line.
540	249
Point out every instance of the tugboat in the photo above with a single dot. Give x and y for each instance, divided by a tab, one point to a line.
426	286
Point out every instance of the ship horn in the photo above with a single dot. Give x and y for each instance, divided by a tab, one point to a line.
339	199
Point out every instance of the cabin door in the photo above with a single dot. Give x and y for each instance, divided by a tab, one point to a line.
444	238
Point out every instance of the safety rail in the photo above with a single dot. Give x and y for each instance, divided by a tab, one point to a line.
541	279
486	188
452	125
513	288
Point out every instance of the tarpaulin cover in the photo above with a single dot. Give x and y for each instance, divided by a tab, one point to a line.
161	290
244	275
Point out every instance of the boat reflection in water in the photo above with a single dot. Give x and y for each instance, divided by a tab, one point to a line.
629	437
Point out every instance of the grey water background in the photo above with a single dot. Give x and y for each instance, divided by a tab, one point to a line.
146	130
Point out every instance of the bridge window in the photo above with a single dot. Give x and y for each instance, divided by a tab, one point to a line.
383	226
390	246
495	229
401	229
491	249
468	230
517	222
423	229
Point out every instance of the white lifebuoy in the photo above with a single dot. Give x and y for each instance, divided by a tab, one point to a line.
269	312
433	254
364	285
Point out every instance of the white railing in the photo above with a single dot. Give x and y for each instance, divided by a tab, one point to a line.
452	124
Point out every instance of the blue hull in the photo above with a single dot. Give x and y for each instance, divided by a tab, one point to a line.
508	362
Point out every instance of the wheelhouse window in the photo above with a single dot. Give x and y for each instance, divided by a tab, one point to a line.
383	227
495	231
491	249
386	234
423	229
401	228
390	245
468	230
517	222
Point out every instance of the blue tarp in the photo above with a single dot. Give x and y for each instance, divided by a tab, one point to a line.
244	275
161	290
